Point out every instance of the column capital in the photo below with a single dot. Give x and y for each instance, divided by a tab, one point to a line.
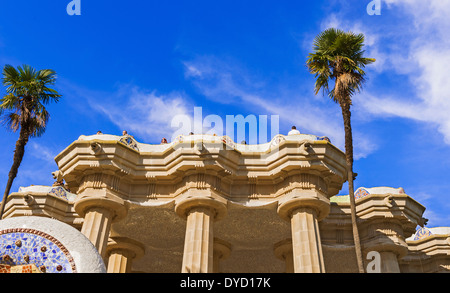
385	243
103	200
201	199
309	199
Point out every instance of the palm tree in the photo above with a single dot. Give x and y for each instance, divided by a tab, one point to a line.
22	108
338	57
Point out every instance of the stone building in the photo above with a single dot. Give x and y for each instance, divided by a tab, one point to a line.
207	204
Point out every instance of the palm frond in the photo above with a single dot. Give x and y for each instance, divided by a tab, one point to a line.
28	90
11	121
338	55
9	102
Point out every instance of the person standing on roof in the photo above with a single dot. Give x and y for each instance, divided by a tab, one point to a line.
293	131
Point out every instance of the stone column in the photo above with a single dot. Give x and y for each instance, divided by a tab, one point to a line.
283	251
99	212
386	238
121	252
222	250
304	210
306	245
389	263
198	245
200	214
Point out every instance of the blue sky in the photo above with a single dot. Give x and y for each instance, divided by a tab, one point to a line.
135	64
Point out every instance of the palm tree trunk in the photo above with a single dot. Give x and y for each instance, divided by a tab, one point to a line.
17	160
346	114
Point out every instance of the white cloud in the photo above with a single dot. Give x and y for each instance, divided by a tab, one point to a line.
143	113
363	145
42	152
229	83
425	58
192	71
436	206
414	43
36	167
436	217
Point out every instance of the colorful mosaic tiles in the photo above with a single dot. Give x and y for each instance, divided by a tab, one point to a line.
361	192
22	247
59	192
129	142
277	140
178	139
5	268
22	269
422	233
324	138
228	141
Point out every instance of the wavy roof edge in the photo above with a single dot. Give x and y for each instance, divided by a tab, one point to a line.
263	147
